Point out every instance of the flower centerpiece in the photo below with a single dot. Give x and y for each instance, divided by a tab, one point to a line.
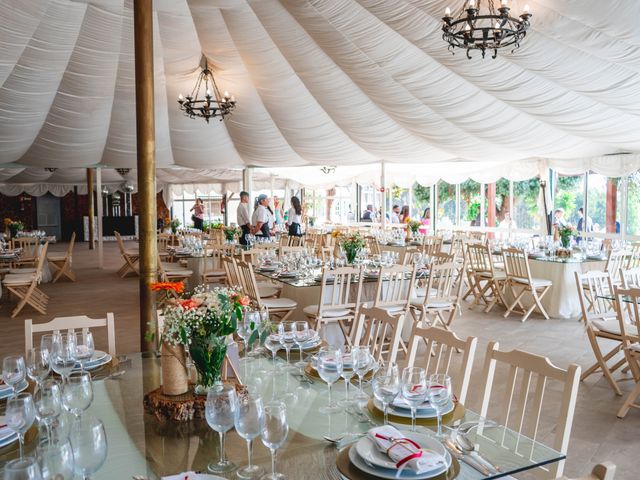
565	233
174	224
351	245
14	226
231	232
414	226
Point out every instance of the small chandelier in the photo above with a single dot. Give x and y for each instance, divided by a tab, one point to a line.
213	104
473	29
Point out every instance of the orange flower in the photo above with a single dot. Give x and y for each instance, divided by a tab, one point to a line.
189	304
177	287
242	300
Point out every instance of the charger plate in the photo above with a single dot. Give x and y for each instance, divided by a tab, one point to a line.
457	414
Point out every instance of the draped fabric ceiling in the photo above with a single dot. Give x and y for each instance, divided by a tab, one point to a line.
321	82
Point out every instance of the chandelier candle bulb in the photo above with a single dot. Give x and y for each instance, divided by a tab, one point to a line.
447	12
472	3
526	9
505	3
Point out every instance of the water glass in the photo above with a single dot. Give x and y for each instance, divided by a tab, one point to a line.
85	347
362	363
63	354
249	420
89	445
22	469
14	371
20	414
220	409
439	395
347	374
414	390
273	344
77	393
274	433
386	387
56	460
286	332
301	335
37	363
47	400
329	367
46	344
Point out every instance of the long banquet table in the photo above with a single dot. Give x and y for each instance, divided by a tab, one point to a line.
141	445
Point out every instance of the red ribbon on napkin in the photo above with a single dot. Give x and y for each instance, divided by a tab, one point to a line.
398	442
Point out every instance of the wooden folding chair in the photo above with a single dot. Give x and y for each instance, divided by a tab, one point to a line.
72	323
61	263
372	245
214	271
29	251
285	250
440	299
441	345
340	293
630	277
25	287
617	261
431	245
486	283
629	300
379	330
522	406
599	315
518	274
172	272
130	258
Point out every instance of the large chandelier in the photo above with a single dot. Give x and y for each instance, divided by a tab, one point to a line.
212	104
479	27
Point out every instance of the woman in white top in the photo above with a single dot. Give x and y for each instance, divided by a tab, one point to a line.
294	218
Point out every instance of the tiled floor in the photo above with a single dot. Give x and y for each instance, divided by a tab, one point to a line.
598	435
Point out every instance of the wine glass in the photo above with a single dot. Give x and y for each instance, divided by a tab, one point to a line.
301	335
219	411
14	371
347	374
274	434
414	390
22	469
329	368
37	363
244	330
46	344
85	347
89	445
20	415
273	344
48	403
439	395
386	387
56	460
362	363
249	421
285	329
63	354
77	393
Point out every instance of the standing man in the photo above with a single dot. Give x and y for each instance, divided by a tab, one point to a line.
262	219
243	218
395	214
584	224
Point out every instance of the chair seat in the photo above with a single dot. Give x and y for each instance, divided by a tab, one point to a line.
419	303
15	280
276	303
312	311
179	272
496	275
422	292
613	326
635	347
391	309
215	273
21	271
536	282
56	258
267	291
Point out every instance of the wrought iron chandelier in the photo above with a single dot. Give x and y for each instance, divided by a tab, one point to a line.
213	104
477	26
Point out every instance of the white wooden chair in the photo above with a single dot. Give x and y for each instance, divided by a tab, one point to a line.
616	261
72	323
628	300
130	257
213	271
172	272
441	346
518	274
281	307
286	250
630	277
599	315
439	299
29	255
431	245
25	287
340	293
602	471
379	330
229	263
372	245
61	263
486	282
522	412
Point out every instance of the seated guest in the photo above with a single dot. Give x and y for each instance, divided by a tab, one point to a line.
262	220
294	217
395	214
242	214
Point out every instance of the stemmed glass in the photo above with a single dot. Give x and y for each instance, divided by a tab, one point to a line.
439	395
38	365
219	411
85	347
48	403
362	362
244	330
20	415
329	368
273	344
89	445
22	469
13	371
46	344
63	354
386	387
347	374
77	393
274	434
300	336
285	329
249	421
414	390
56	460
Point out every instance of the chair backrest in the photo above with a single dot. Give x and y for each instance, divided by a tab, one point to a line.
592	287
29	246
72	242
441	345
248	281
634	256
161	272
630	277
119	241
395	286
340	288
479	258
212	260
431	245
72	323
522	411
442	257
164	240
372	244
628	300
516	264
440	285
285	250
231	270
616	261
294	241
377	329
42	257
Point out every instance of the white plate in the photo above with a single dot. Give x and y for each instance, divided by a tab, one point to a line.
7	392
424	411
370	453
97	357
360	464
195	476
9	440
289	274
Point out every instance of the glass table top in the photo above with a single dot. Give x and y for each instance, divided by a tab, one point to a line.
314	279
141	445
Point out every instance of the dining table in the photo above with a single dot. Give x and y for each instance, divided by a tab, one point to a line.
142	446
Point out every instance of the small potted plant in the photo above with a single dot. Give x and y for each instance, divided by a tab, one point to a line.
175	223
413	226
230	233
14	226
351	245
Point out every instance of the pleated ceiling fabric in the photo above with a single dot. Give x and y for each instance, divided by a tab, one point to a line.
318	82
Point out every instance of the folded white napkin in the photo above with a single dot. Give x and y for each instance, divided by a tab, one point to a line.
182	476
405	453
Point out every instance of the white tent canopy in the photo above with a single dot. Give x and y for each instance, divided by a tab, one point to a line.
318	82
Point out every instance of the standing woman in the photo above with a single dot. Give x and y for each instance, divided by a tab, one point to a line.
295	218
277	211
404	214
198	214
